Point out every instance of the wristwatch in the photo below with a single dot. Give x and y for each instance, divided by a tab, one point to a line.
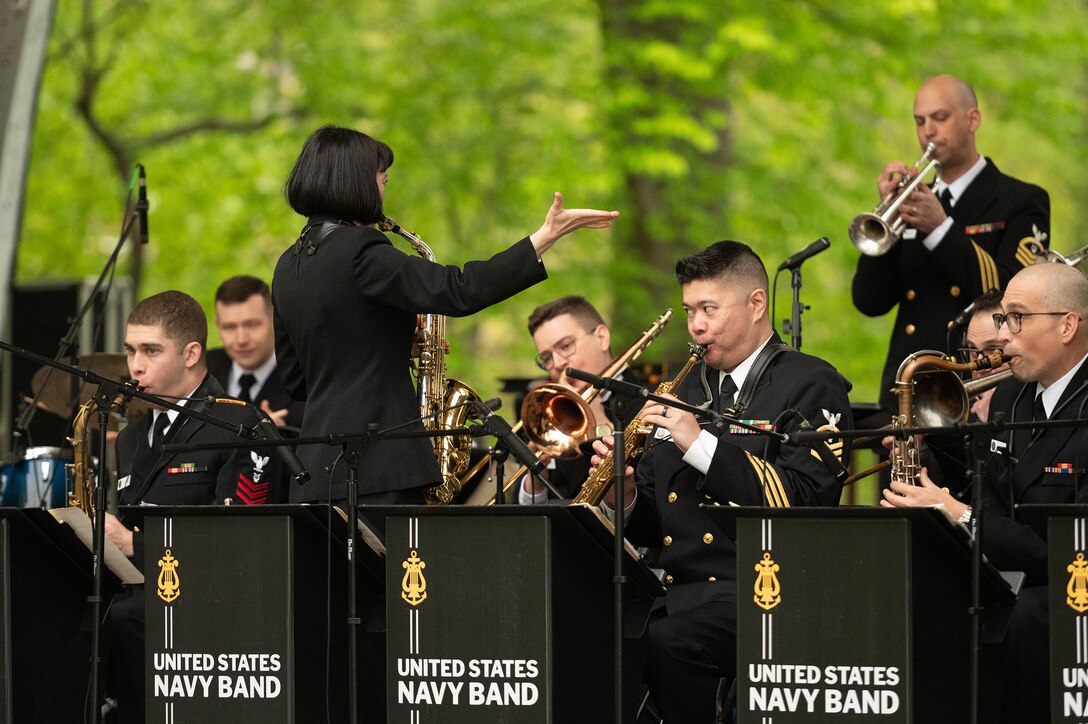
965	519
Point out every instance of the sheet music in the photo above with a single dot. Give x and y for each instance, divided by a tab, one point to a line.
116	561
368	536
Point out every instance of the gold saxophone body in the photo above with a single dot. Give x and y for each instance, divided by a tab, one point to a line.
442	403
600	480
931	392
80	492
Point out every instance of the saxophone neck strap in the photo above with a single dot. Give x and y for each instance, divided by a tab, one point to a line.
751	382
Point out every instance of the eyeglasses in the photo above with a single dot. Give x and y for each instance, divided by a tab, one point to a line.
564	347
1016	319
970	354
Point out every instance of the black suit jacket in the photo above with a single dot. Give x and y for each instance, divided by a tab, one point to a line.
202	477
345	318
993	221
698	558
1046	466
219	365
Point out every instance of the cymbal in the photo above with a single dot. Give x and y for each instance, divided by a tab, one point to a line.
56	388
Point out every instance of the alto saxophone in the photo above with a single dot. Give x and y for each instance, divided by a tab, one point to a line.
78	472
600	480
443	404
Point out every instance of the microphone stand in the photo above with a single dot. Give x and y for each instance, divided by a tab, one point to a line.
619	467
68	348
792	326
972	442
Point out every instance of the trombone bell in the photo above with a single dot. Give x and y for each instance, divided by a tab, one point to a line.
557	419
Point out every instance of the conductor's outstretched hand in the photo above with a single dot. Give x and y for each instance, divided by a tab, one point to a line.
560	222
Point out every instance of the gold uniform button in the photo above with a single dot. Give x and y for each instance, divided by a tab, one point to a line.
708	538
954	291
668	579
712	578
668	540
672	497
909	329
911	294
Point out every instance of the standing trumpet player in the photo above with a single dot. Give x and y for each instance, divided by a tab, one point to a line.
966	235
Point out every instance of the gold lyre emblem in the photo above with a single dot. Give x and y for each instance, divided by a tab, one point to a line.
413	587
767	587
1077	588
169	585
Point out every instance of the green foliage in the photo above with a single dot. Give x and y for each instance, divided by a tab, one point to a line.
698	119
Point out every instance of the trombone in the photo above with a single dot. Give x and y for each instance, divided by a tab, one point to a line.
558	419
874	234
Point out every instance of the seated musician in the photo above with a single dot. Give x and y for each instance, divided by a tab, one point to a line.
165	340
1041	328
570	332
746	369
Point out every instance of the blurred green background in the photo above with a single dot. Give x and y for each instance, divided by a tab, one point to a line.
698	119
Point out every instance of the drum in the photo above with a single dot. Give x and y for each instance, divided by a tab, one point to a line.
37	480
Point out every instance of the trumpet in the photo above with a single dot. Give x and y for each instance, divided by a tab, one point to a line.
874	234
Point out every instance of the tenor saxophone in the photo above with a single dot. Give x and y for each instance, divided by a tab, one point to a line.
443	404
600	480
78	472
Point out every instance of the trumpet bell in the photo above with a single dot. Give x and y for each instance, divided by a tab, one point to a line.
871	235
557	420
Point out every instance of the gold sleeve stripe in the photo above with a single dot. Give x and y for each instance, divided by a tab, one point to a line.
1024	255
772	484
987	268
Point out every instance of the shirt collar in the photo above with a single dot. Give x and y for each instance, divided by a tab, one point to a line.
960	185
261	374
740	372
1052	394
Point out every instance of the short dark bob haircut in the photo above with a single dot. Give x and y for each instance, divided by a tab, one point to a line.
335	175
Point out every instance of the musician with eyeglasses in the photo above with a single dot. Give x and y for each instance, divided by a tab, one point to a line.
1043	328
968	234
570	332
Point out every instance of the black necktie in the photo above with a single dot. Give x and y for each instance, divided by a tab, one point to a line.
946	200
162	421
245	384
1038	412
725	394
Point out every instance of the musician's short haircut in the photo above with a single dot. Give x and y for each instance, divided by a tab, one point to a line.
989	302
180	316
728	260
574	305
240	288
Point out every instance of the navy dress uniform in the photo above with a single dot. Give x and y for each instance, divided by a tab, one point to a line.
994	223
693	632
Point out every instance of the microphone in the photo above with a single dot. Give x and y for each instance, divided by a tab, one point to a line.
963	317
609	383
823	450
293	465
141	202
792	262
501	429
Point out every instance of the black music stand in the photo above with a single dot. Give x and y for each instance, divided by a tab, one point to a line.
887	589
